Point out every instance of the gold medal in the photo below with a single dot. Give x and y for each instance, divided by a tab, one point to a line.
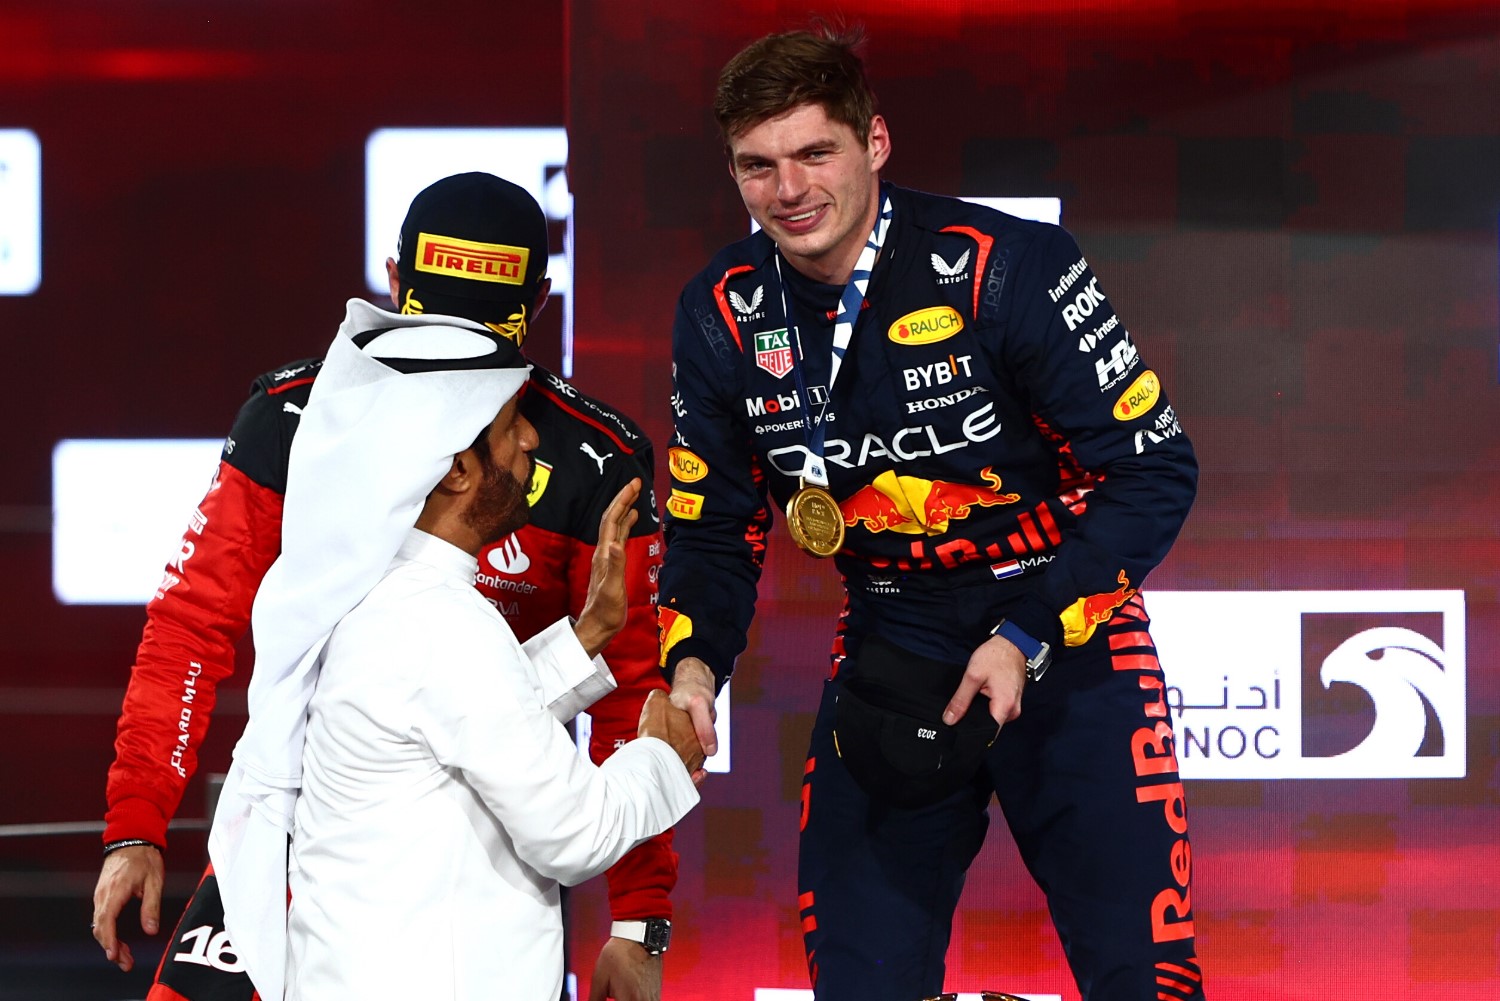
815	522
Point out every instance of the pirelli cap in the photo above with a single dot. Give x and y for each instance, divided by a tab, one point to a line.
472	245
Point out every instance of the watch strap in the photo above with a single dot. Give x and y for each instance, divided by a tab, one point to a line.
653	934
1037	653
1029	645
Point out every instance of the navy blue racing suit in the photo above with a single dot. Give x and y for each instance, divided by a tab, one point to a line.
999	449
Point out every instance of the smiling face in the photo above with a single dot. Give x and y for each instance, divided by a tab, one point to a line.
812	186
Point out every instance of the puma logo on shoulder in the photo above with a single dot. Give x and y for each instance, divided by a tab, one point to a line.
588	450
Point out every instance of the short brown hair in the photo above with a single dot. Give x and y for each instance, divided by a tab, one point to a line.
777	73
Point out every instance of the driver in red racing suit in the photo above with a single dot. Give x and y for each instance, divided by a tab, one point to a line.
536	575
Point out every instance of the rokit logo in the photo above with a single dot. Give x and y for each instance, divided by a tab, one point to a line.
1336	684
1083	305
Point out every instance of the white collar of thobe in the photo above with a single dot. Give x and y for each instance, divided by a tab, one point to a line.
440	554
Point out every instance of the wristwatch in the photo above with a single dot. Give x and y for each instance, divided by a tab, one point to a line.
654	934
1038	654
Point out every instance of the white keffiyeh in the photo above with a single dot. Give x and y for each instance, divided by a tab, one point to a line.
371	445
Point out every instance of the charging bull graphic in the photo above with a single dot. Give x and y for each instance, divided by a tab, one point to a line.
1080	618
914	506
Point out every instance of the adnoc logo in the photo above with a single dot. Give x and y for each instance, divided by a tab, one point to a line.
926	326
1338	685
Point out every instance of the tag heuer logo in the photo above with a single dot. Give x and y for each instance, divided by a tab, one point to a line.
773	352
743	308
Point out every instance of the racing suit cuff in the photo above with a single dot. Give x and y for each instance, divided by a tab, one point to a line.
640	884
692	646
1035	619
135	819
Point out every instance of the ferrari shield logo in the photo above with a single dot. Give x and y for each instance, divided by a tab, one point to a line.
773	352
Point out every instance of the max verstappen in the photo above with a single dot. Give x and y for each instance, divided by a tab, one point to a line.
473	246
942	399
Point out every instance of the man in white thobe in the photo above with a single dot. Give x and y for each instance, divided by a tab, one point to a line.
438	799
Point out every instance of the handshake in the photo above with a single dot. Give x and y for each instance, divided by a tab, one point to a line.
688	731
661	719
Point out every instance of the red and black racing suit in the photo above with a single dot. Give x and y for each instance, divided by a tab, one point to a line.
999	449
587	452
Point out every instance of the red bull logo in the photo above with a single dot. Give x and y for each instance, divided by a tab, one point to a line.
1080	618
671	628
914	506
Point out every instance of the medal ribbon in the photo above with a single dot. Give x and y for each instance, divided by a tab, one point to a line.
850	303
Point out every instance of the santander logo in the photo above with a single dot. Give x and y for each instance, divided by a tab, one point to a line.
508	557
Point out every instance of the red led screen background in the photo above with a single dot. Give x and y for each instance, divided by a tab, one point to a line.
1293	207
